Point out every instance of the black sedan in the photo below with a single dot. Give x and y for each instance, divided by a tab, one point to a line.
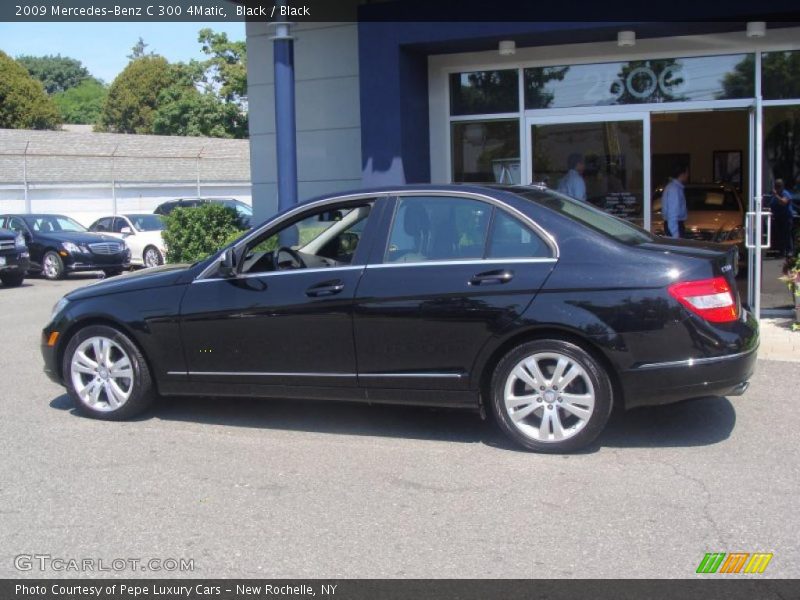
516	301
59	245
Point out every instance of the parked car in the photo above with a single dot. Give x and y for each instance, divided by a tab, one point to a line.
59	245
518	301
14	258
715	214
243	210
142	234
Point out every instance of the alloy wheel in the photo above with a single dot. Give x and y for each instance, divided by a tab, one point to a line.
549	397
102	374
152	257
51	267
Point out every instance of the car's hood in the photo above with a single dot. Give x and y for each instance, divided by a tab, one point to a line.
137	280
709	220
76	237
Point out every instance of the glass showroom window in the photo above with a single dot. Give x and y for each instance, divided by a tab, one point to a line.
484	92
780	75
650	81
486	151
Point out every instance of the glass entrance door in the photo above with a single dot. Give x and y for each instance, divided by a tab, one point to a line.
780	208
601	160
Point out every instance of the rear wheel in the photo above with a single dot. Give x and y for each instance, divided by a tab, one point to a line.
112	272
551	396
106	375
152	257
12	279
52	266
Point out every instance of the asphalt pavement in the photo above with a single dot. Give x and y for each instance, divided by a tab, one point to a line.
247	488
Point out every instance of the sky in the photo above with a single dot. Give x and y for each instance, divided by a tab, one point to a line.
103	47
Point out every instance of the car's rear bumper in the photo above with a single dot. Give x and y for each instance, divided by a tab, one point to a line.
664	383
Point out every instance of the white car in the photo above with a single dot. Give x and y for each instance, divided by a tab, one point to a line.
142	234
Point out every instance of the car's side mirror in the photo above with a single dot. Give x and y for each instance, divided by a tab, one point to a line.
126	231
227	263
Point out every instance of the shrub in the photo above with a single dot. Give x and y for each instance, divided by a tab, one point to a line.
192	234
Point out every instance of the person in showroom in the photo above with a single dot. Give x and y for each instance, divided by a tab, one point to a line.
673	203
572	184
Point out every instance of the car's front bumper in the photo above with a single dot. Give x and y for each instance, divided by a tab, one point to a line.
14	261
96	262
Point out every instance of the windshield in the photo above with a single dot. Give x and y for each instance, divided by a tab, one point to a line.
617	228
51	223
707	199
146	222
238	206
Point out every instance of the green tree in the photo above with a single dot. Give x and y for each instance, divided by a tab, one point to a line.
226	67
23	101
57	73
82	103
186	111
536	80
191	234
138	50
132	98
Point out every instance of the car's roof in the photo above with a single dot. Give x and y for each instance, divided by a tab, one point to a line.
487	188
34	215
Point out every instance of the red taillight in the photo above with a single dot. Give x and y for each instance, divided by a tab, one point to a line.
712	299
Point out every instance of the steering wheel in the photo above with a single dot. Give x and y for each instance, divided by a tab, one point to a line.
296	261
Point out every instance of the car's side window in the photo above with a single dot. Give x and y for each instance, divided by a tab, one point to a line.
103	224
16	224
324	238
119	223
438	228
510	238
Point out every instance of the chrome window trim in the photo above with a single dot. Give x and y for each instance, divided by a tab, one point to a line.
441	263
544	234
286	272
691	362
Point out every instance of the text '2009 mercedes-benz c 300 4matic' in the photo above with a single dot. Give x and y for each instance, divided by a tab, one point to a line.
515	301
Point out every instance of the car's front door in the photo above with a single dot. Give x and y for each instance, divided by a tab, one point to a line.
285	319
454	271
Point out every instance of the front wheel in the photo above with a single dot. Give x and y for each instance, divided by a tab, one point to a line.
52	266
106	375
152	257
12	279
551	396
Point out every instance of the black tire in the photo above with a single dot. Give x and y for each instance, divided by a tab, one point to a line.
112	272
57	270
578	432
159	256
142	391
12	279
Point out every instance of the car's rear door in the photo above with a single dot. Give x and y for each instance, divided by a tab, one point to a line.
452	271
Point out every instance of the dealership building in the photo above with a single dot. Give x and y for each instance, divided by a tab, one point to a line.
387	103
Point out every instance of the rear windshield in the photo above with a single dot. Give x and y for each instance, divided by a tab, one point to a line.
619	229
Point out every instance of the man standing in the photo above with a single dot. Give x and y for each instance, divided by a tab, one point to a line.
780	206
673	203
572	184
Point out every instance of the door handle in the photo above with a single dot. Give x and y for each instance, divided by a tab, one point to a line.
326	288
492	277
